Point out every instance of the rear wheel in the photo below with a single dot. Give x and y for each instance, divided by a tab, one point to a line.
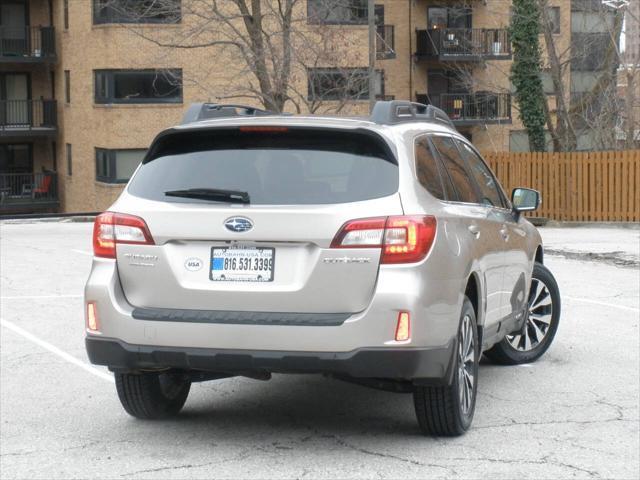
540	327
448	410
152	395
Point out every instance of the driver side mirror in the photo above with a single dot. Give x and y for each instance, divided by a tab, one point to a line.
525	199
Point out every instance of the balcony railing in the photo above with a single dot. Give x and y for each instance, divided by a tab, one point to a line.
28	116
27	44
28	191
472	108
385	46
463	44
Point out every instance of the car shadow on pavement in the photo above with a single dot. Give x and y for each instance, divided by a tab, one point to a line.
297	403
293	405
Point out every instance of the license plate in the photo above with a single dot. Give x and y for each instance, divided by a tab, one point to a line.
242	264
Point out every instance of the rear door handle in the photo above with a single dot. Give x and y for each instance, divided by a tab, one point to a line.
475	230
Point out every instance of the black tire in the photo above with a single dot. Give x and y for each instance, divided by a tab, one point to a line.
152	395
504	352
439	409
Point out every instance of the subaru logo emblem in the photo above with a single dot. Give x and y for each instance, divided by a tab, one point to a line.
238	224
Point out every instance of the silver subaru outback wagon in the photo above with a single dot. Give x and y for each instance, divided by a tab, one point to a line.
381	251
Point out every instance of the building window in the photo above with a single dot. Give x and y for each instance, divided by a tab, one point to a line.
337	12
117	166
137	11
379	14
54	155
547	82
69	160
592	22
554	19
589	51
65	14
67	86
519	141
584	81
138	86
449	17
342	84
16	158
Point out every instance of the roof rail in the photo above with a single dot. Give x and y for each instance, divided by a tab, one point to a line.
401	111
205	111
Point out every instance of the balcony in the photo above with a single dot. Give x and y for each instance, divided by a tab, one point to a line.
463	44
466	109
28	192
27	44
30	118
385	48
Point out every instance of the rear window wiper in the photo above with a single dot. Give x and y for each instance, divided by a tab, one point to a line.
211	194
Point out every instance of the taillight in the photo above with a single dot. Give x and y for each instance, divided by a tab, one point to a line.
408	239
110	228
403	239
367	232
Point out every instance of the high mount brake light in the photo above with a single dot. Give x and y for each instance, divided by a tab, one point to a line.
403	239
264	129
111	229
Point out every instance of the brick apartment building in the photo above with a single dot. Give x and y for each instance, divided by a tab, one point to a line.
82	95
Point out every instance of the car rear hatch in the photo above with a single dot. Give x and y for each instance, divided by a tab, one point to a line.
249	219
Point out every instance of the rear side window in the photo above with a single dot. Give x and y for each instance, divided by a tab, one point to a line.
454	164
484	178
427	168
277	166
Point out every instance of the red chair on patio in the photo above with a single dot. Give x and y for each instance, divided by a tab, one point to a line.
42	190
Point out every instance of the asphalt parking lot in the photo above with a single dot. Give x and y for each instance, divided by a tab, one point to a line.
573	414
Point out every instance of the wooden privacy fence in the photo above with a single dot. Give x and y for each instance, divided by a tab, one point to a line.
579	186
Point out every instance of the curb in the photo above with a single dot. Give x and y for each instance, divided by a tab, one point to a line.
45	218
558	224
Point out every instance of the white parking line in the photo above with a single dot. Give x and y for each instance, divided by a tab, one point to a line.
604	304
83	252
36	297
55	350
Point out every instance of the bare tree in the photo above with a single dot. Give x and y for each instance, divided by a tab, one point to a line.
595	108
274	45
629	73
562	132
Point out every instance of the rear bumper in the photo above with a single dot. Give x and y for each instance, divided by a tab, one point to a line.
434	306
421	365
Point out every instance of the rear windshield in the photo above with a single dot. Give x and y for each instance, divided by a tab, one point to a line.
276	167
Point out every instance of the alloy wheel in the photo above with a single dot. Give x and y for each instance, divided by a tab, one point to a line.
466	365
538	319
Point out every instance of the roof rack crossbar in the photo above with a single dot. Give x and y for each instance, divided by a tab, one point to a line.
206	111
400	111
